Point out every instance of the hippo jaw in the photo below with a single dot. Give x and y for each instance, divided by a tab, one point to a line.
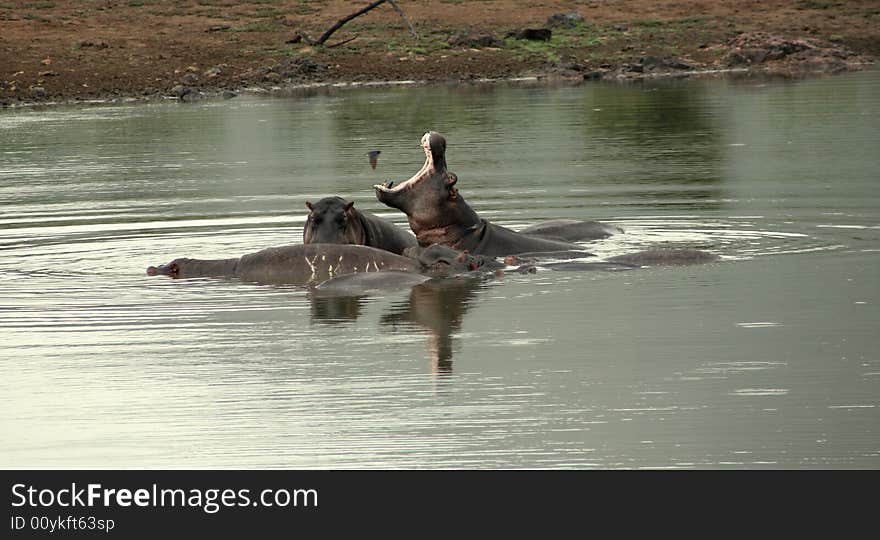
430	200
399	195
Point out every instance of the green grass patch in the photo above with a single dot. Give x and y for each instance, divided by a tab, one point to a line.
524	48
583	36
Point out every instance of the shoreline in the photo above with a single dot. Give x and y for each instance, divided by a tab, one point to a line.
59	53
214	94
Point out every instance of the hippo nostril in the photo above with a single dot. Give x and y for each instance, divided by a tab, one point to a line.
152	271
389	184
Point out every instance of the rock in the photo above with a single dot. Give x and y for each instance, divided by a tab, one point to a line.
759	47
229	94
534	34
212	72
37	92
776	54
293	68
568	70
474	40
189	79
194	95
565	20
180	91
653	62
593	75
48	74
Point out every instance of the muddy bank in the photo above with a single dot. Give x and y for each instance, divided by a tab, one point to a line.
52	51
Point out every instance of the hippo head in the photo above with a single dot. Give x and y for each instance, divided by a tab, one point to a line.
440	259
172	269
332	220
430	199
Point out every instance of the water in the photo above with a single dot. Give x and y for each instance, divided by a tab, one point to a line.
767	359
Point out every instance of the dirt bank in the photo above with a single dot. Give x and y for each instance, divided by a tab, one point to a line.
53	50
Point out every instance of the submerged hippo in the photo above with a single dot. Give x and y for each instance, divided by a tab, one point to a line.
310	264
333	220
666	257
436	260
297	264
438	256
366	282
629	261
438	213
571	230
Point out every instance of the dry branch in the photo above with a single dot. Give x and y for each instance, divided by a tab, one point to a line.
341	22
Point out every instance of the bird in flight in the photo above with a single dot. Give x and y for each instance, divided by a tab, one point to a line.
374	157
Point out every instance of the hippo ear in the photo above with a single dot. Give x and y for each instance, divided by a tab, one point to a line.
309	206
348	207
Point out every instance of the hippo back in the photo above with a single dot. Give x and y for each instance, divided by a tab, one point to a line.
314	263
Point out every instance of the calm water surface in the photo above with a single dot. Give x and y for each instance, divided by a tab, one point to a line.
768	359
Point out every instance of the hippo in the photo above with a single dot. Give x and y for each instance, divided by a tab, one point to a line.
571	230
437	212
666	257
333	220
438	257
629	261
299	264
311	264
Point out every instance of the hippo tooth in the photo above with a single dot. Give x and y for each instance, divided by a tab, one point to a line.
312	266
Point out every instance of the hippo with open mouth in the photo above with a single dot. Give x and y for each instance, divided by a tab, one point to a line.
311	264
333	220
438	213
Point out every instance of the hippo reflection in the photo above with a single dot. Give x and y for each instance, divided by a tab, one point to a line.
438	306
